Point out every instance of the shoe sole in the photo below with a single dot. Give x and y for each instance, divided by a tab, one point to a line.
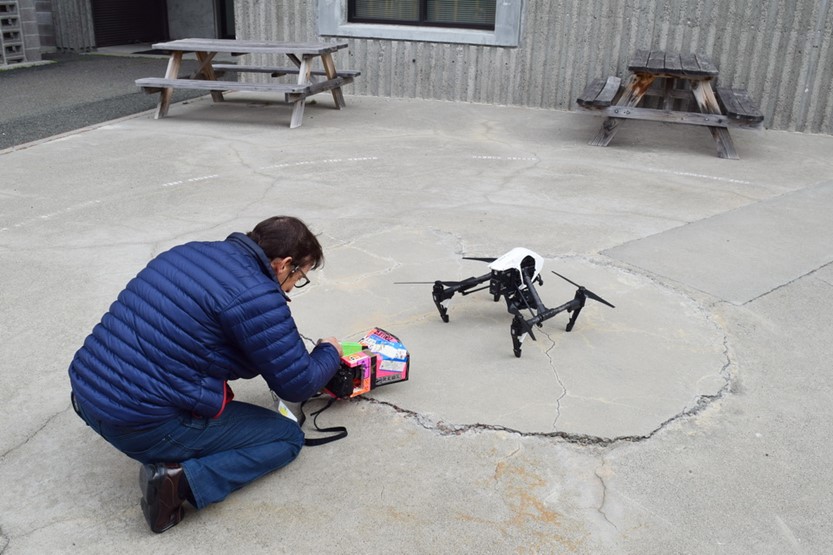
176	518
151	484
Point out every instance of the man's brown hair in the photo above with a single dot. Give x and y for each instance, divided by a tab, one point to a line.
283	236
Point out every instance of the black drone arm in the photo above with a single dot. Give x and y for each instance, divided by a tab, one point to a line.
444	290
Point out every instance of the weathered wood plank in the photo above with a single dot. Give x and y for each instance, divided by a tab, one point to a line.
207	71
656	61
639	60
330	85
737	104
706	65
638	83
689	64
281	70
665	116
707	104
672	62
611	89
201	84
591	92
248	46
600	92
174	63
697	65
330	69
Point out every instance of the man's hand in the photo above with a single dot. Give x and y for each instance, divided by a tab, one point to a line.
334	342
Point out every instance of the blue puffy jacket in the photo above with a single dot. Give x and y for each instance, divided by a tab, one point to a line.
198	315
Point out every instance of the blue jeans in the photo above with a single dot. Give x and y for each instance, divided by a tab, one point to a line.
218	455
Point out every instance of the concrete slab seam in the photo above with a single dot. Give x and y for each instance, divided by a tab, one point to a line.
790	282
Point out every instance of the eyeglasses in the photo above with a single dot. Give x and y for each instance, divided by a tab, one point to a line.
303	281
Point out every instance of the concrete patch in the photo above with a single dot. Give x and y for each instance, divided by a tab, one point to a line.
620	373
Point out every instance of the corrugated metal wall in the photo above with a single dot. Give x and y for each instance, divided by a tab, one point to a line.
73	20
779	49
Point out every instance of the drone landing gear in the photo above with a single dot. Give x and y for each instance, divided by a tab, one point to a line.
573	318
444	290
519	330
440	299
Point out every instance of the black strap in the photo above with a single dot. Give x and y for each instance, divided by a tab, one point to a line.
338	432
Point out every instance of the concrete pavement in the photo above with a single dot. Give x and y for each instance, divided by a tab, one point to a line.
692	418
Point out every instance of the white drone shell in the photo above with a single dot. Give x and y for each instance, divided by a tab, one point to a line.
514	258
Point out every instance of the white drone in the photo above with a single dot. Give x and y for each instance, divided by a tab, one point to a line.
513	276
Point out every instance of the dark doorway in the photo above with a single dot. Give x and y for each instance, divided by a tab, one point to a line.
226	19
119	22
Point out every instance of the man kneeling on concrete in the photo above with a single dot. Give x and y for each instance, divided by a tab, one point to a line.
152	377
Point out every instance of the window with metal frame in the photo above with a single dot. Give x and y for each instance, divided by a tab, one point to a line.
465	14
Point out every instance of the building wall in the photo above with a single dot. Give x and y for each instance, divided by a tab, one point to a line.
191	18
29	28
20	25
73	23
780	50
45	26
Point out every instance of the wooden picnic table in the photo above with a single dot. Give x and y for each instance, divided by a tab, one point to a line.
301	55
673	78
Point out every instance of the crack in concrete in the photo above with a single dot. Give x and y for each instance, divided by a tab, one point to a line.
600	508
557	378
448	429
34	434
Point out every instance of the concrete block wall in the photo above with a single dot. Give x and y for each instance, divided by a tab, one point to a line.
27	30
29	27
12	45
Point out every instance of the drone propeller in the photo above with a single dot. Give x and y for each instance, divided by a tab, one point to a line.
480	258
587	292
445	283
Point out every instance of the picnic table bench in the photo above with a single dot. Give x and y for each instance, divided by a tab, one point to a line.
673	79
206	77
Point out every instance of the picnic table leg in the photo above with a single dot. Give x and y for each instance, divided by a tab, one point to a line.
637	85
207	70
668	89
299	101
330	69
174	62
707	103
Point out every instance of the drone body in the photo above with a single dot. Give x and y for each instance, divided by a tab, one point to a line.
513	276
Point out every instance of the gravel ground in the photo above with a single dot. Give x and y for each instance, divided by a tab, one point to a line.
74	91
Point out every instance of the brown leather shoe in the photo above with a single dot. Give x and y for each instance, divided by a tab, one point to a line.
161	500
